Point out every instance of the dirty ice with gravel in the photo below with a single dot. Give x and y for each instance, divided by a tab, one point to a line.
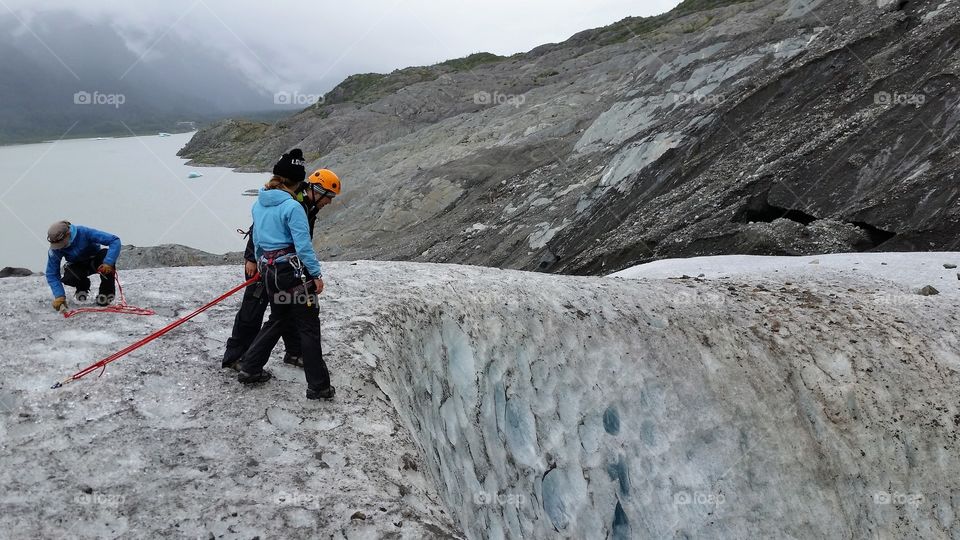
724	397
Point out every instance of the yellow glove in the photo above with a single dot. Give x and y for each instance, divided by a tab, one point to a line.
60	303
105	269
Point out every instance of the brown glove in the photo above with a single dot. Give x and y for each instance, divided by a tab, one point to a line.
105	269
60	303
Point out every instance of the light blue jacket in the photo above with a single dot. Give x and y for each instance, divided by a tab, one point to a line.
85	243
280	222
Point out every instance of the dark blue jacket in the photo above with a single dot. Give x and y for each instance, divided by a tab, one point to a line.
85	243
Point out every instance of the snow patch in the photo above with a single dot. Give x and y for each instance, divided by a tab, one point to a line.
912	272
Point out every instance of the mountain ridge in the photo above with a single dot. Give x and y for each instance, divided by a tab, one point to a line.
752	128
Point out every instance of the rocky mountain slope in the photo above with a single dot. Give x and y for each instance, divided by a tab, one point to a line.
174	255
817	401
763	127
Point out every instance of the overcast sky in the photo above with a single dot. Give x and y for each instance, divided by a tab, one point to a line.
312	46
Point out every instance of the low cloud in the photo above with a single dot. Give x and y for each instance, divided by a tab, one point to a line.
300	47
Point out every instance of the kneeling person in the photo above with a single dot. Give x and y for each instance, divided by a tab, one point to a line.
87	252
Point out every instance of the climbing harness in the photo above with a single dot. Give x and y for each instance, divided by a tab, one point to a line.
119	307
102	364
297	265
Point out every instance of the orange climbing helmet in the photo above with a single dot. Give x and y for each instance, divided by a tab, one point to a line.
325	182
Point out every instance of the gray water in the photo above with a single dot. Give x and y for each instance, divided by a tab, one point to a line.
135	187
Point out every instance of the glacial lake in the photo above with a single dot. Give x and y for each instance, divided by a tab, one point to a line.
134	187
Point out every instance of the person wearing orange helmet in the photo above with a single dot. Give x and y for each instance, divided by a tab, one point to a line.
323	185
292	278
316	192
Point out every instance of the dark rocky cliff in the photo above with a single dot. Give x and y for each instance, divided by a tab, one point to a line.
765	127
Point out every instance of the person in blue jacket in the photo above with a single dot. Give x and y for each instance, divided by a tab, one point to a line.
87	251
292	278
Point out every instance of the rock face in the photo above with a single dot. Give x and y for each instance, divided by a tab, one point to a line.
8	271
212	145
173	255
765	127
162	256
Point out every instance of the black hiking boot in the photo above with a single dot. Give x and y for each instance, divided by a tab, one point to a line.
254	378
326	393
104	300
293	360
235	365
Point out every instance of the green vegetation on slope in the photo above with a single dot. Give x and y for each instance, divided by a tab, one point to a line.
365	88
638	26
692	6
469	62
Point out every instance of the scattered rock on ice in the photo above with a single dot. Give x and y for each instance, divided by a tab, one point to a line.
928	290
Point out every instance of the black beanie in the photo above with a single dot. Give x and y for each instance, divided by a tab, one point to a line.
291	166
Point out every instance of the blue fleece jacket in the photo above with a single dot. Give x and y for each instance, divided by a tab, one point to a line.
85	243
280	222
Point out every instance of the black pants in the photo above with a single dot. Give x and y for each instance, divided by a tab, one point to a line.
306	320
247	323
77	274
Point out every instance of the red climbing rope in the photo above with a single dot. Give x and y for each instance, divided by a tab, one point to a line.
102	364
119	307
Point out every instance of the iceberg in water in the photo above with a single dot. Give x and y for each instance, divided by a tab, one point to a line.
194	174
162	134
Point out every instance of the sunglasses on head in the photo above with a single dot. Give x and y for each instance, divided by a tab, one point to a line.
322	192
